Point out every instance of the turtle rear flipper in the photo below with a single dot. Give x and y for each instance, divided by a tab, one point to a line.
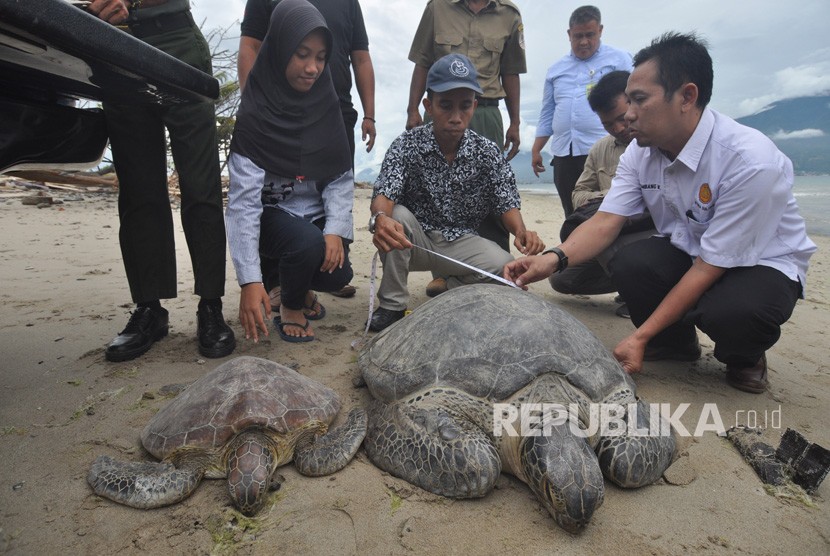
332	451
142	485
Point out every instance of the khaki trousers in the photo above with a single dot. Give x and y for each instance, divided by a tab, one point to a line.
393	292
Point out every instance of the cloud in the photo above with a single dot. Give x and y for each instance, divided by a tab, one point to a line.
782	135
790	82
762	55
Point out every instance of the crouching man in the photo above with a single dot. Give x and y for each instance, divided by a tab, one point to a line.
436	185
731	252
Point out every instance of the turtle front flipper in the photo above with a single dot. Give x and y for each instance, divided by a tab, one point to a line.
142	485
332	451
562	471
432	449
633	461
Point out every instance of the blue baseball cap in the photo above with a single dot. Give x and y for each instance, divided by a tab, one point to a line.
453	71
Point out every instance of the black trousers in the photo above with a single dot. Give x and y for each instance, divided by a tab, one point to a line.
583	279
566	172
139	152
292	251
742	312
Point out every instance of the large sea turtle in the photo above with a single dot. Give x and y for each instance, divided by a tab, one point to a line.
241	421
439	378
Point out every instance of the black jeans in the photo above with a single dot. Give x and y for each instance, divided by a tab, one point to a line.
292	251
742	312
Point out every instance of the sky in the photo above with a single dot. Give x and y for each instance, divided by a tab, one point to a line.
763	50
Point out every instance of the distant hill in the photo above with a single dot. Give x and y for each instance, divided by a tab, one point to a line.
801	129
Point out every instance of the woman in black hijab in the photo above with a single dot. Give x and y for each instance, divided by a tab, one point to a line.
292	187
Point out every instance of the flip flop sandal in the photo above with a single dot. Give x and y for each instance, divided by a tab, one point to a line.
293	339
314	310
308	310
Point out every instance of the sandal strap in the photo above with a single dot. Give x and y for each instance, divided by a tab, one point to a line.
283	324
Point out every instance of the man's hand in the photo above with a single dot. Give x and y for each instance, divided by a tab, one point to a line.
530	269
367	129
389	234
529	243
252	300
536	163
413	119
111	11
335	255
630	352
512	140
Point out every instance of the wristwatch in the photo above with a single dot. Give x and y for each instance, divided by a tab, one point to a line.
373	220
563	258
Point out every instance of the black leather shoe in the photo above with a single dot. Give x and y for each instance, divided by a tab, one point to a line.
216	338
383	318
144	327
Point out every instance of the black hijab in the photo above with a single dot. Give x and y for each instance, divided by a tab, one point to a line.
280	129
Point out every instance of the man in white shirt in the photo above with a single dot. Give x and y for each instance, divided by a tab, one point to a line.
731	253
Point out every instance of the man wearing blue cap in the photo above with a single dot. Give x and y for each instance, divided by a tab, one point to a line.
436	185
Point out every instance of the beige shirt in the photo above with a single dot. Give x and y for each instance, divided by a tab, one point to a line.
493	39
600	169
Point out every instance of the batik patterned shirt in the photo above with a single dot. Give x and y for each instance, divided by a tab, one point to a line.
451	198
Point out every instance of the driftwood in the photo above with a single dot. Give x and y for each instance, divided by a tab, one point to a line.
68	178
73	181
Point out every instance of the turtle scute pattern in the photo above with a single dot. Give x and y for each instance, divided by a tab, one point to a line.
248	393
240	421
436	375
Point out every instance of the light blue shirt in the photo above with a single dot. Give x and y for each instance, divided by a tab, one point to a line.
727	197
566	115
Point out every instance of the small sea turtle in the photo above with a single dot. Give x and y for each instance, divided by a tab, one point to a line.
241	421
438	374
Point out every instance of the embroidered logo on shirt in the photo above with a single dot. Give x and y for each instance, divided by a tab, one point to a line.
705	194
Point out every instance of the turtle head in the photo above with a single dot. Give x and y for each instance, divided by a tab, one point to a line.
251	462
563	473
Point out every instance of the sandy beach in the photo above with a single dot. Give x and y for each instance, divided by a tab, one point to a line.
64	297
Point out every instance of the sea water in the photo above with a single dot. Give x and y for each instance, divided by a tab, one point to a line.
812	193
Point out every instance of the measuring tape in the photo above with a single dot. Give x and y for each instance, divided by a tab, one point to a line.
358	343
469	266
